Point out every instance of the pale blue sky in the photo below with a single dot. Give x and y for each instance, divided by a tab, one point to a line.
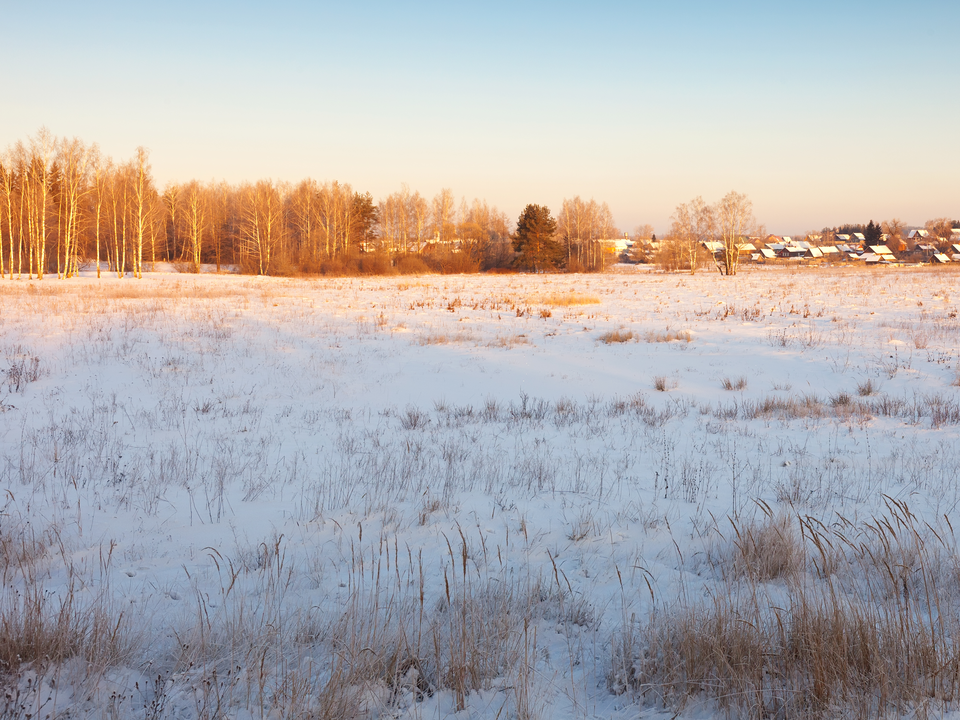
822	112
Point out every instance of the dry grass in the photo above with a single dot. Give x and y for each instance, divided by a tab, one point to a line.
867	388
567	299
814	621
21	546
443	338
396	641
23	367
668	336
739	383
617	336
767	550
941	409
508	341
37	627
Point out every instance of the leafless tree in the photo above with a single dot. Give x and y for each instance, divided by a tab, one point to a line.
444	218
694	223
734	221
940	230
197	217
261	223
73	160
583	227
37	188
8	184
894	230
142	192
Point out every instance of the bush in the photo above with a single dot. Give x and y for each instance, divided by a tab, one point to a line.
412	265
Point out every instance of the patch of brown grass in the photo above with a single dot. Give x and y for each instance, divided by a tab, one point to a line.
617	336
739	383
442	338
816	620
508	341
37	626
567	299
668	336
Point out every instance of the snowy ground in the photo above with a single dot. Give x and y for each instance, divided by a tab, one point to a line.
254	484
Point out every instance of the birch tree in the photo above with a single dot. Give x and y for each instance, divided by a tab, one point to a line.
734	219
101	174
444	222
8	180
197	218
74	162
142	206
41	153
172	196
693	224
261	223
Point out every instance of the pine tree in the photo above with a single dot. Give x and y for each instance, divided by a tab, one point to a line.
872	233
535	240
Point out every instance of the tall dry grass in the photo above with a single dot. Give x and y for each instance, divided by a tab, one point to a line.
571	298
809	620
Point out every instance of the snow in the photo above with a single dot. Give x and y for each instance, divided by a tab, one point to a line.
245	456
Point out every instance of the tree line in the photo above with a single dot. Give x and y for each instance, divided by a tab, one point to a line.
65	206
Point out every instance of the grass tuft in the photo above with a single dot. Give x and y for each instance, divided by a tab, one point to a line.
816	621
617	336
669	336
739	383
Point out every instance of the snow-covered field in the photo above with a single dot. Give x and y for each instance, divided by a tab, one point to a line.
469	496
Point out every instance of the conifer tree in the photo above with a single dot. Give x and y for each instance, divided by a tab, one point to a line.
535	240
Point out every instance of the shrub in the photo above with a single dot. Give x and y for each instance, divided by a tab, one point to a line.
412	265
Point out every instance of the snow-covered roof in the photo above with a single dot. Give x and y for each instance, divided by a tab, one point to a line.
828	250
843	238
941	258
815	252
768	253
618	244
917	234
860	236
880	250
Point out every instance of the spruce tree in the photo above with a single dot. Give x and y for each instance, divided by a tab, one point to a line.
535	240
872	233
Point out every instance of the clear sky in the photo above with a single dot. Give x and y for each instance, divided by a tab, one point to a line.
821	112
